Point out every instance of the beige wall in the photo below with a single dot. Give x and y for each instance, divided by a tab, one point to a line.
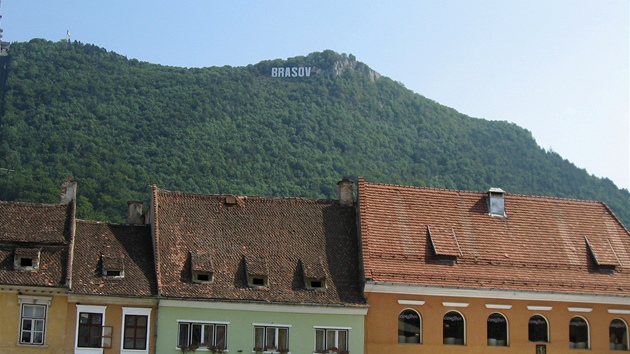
10	324
382	325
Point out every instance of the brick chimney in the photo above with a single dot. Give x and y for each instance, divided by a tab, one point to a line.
68	191
346	192
134	213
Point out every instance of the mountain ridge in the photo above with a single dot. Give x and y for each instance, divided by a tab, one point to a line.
117	125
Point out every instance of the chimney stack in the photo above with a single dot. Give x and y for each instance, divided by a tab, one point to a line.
68	191
346	192
134	213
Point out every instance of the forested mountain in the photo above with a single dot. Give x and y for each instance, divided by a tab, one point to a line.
117	126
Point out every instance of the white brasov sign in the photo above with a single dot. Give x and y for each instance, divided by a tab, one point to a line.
296	71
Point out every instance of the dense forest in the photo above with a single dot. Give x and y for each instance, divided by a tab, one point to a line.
118	125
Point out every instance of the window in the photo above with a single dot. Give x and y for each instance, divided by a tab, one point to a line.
135	329
497	330
202	277
315	284
578	333
271	337
453	328
33	315
90	320
26	259
538	329
258	281
409	327
327	338
618	332
199	334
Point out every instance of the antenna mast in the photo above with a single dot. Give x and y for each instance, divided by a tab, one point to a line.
4	46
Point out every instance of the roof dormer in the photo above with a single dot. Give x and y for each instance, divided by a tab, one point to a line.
26	259
112	266
496	202
257	271
202	267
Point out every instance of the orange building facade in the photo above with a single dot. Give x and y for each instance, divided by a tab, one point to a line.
467	272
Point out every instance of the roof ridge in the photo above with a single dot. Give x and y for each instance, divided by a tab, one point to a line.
215	195
484	192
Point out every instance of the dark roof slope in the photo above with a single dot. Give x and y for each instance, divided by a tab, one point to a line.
540	246
100	245
255	234
35	223
40	231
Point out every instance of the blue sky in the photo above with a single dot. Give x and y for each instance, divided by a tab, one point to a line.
559	69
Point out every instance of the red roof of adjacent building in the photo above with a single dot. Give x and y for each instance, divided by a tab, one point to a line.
447	238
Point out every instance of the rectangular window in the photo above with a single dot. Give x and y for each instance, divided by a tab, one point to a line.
32	323
271	338
331	339
202	334
135	332
90	330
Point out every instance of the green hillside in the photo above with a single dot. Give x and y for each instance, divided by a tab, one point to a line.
117	126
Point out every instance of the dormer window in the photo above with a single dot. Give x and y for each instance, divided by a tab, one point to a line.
314	274
202	267
113	267
257	272
496	202
315	284
26	259
258	281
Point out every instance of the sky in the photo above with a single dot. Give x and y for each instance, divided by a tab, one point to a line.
559	69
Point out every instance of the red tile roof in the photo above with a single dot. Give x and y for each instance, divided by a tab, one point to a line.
255	234
99	245
539	246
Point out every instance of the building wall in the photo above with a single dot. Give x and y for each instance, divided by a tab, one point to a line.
240	333
382	324
113	318
10	324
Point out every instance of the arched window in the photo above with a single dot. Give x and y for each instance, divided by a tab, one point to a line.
497	330
578	333
618	335
409	327
538	329
454	328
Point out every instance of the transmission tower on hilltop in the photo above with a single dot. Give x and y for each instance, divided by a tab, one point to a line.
4	46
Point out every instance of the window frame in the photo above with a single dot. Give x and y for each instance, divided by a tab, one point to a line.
419	333
140	312
624	335
25	300
271	326
529	329
202	324
90	309
497	341
334	330
571	334
456	338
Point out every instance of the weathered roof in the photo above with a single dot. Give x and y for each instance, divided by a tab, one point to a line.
40	231
256	235
35	223
541	245
128	248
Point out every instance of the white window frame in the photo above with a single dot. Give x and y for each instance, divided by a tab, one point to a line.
25	300
196	322
88	309
135	311
276	327
335	330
